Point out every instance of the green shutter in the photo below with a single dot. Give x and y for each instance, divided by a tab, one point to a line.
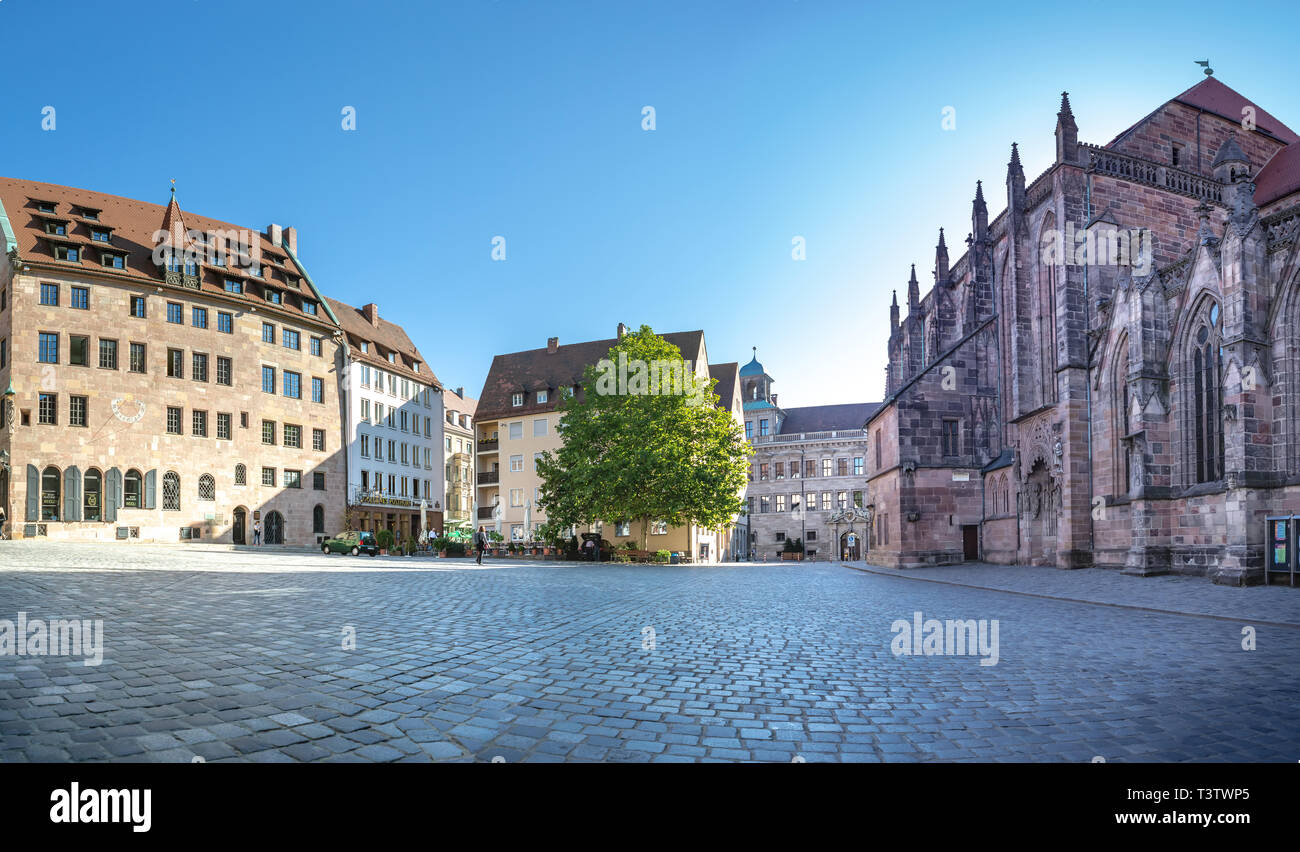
33	494
150	489
113	495
72	494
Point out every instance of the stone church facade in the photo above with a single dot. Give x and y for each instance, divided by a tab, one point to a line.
1110	374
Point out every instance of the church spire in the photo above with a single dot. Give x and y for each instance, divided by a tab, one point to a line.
1015	182
1067	132
979	215
893	313
913	295
941	260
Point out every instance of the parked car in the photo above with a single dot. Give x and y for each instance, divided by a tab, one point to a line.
353	542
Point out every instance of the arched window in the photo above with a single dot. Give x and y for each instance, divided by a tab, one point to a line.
131	490
1123	453
50	491
207	487
1206	434
92	489
171	492
241	475
318	519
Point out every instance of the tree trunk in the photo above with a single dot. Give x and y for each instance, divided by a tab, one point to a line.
645	534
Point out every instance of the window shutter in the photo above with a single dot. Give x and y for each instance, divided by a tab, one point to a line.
113	495
150	489
33	494
72	493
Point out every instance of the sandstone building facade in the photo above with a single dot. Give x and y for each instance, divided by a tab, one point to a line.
170	377
1109	374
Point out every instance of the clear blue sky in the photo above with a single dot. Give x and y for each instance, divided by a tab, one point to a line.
774	120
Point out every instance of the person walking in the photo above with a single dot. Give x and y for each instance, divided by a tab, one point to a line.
480	542
257	532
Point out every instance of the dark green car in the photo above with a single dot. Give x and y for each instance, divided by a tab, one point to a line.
352	542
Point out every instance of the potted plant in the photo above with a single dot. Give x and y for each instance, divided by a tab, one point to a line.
662	556
384	538
793	550
410	545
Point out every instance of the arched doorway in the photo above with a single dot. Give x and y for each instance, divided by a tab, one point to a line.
50	491
1038	515
274	528
850	551
238	531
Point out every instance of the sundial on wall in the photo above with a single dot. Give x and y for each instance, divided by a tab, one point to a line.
127	409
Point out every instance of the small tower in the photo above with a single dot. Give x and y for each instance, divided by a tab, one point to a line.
1015	182
893	314
913	295
1230	163
1067	132
941	261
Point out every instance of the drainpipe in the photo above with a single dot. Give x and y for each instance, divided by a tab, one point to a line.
1087	324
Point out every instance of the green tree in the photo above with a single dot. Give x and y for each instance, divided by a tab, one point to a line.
644	449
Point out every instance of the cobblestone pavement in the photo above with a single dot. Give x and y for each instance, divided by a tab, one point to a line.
1169	592
238	656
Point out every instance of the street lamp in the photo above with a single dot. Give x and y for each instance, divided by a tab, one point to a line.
803	508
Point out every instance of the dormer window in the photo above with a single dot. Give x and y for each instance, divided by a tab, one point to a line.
58	229
112	261
45	206
416	366
99	235
309	307
542	396
365	347
88	214
71	254
273	296
517	400
392	357
233	286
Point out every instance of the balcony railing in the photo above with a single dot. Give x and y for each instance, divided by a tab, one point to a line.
491	477
795	437
488	446
1115	164
486	514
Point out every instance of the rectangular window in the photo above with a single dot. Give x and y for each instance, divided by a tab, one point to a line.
764	504
176	363
779	470
233	286
780	502
50	295
223	426
762	426
292	384
404	420
268	432
108	354
138	359
268	332
268	379
48	409
317	390
290	338
826	467
68	253
268	476
517	399
877	449
809	469
516	496
80	298
811	499
316	346
48	352
842	467
223	370
199	317
199	424
138	306
749	430
764	472
516	464
173	420
175	313
4	352
78	350
950	446
826	501
112	261
318	481
293	436
404	457
272	296
365	446
77	411
318	440
542	396
365	411
857	465
365	376
539	428
225	323
309	307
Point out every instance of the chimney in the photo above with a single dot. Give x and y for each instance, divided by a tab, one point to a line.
291	237
622	330
274	234
552	345
460	392
371	313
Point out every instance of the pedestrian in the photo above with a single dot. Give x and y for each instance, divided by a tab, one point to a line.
480	542
591	550
2	522
257	532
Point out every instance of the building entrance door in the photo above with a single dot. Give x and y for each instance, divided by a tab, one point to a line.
239	526
850	546
970	542
274	528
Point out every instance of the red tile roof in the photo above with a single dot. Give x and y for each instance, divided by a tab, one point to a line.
1213	96
1279	177
383	338
132	225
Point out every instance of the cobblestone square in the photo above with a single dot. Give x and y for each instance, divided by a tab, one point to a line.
239	656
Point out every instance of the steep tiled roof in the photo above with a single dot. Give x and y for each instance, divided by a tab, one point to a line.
132	225
540	369
1213	96
384	337
826	418
1280	176
726	386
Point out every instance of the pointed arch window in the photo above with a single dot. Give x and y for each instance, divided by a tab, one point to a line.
1207	399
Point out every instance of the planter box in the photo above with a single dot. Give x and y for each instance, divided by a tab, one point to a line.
791	557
